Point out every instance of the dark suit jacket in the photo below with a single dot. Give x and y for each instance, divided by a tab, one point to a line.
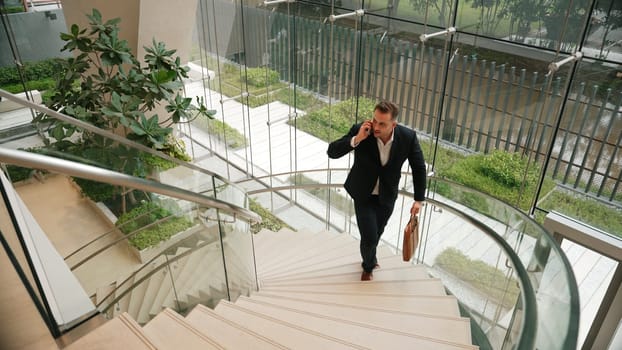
367	168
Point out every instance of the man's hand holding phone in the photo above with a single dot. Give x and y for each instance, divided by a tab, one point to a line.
364	132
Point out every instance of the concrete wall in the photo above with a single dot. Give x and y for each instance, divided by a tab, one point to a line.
37	36
171	22
127	10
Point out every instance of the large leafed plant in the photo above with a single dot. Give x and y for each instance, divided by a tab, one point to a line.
105	85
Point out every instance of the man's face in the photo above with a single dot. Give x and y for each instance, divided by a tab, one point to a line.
383	125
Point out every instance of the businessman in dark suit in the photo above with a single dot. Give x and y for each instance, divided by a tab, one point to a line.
381	147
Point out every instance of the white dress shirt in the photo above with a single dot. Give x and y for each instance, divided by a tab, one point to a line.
385	150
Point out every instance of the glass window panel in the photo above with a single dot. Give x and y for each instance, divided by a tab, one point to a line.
603	39
586	158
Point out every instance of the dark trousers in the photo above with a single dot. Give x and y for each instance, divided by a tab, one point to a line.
371	217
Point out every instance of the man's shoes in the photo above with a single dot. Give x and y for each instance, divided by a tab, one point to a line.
367	276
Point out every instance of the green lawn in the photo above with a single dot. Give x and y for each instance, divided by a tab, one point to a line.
583	208
488	279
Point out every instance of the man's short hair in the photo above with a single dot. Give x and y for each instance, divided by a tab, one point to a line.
385	106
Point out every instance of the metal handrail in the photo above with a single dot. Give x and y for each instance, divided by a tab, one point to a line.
37	161
105	133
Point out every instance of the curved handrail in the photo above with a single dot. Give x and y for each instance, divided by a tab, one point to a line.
37	161
86	126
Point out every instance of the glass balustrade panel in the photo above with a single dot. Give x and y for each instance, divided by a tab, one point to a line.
200	276
239	259
547	266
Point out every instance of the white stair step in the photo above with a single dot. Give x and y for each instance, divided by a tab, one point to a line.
153	287
290	336
196	261
441	305
352	255
122	332
430	286
228	333
263	238
104	291
381	274
167	285
137	297
386	262
273	241
281	242
298	242
211	275
352	332
327	258
168	330
308	250
452	329
122	304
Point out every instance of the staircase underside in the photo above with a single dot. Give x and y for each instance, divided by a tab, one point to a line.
310	297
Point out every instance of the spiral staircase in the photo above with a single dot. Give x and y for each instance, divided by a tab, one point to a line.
310	296
223	287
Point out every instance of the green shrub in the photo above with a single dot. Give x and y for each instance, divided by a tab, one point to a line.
485	278
506	168
261	77
222	131
148	213
40	70
41	85
330	123
95	190
303	100
17	173
487	174
256	101
13	9
156	162
475	201
269	221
